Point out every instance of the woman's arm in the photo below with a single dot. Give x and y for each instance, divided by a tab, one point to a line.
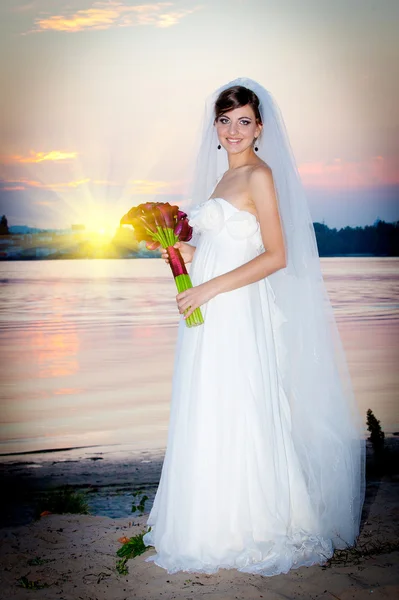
261	187
263	194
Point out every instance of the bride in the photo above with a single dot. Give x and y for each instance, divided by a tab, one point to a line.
264	465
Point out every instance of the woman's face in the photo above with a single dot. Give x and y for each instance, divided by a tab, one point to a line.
237	129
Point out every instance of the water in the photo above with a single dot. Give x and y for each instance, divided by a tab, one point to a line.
87	348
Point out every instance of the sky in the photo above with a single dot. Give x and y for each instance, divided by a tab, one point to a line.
101	101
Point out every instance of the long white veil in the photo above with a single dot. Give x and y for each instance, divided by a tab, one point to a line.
327	428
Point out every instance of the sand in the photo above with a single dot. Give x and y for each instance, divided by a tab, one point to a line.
81	551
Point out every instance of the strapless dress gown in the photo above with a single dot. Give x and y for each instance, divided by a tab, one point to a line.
231	494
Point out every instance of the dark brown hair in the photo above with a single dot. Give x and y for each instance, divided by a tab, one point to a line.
236	97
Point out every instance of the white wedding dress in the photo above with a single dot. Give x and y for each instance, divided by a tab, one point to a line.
232	493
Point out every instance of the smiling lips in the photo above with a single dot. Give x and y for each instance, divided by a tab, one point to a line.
233	141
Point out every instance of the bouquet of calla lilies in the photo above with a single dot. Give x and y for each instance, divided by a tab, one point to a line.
161	224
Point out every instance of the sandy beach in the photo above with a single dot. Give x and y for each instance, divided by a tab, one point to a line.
74	556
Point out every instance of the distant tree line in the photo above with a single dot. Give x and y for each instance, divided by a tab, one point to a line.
4	226
379	239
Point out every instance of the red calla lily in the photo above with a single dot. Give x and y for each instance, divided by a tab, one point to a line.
183	230
169	214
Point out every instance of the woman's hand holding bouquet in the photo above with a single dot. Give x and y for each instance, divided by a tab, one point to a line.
186	250
161	225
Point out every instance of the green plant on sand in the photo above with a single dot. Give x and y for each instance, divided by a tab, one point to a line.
133	547
140	506
30	585
37	560
63	501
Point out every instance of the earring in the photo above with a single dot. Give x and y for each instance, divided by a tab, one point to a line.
256	147
219	146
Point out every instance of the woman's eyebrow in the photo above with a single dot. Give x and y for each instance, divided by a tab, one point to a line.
224	115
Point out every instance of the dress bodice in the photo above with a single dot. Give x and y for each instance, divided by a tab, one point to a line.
227	237
217	216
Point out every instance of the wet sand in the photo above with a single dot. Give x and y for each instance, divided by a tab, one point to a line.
109	475
82	555
81	549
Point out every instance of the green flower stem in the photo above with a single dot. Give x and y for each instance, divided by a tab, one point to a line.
153	235
183	282
167	237
171	236
162	235
174	237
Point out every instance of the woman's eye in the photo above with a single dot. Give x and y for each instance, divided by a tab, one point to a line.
224	120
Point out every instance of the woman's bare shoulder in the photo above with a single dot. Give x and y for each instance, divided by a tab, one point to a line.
261	185
260	169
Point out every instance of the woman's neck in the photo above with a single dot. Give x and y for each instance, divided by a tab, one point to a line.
247	157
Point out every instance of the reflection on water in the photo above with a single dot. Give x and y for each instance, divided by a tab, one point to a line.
55	354
87	347
363	289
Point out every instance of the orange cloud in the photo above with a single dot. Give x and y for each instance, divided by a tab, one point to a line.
104	15
39	184
377	170
17	188
70	184
144	186
136	187
38	157
105	182
25	7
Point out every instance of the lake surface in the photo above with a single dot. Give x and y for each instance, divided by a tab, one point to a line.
87	348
